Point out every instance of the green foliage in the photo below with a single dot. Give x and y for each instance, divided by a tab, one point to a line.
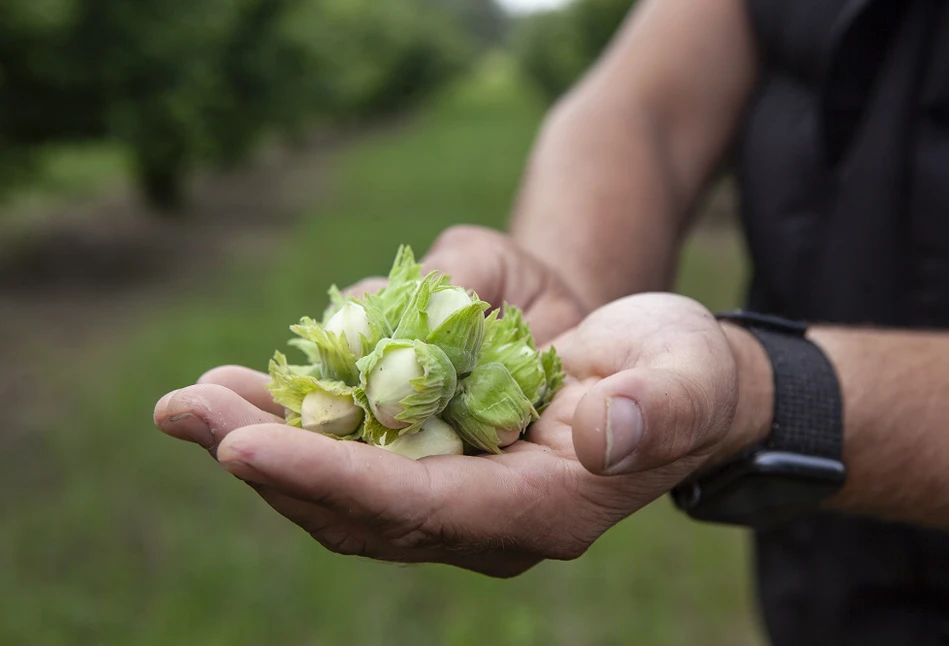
484	20
187	83
556	47
378	57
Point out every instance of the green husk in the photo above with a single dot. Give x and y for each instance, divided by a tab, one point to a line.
336	360
460	335
508	341
490	400
431	390
289	388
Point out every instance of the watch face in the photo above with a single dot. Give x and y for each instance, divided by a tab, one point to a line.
761	490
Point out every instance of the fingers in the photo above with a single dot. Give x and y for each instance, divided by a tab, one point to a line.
500	272
641	419
206	413
463	502
348	476
331	529
474	257
249	384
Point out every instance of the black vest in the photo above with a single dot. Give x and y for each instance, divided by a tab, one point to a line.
844	171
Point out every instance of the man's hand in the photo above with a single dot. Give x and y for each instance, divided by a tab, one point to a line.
655	397
500	271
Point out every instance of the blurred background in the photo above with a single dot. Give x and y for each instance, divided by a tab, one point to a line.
182	179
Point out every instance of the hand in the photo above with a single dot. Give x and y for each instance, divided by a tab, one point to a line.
495	267
659	366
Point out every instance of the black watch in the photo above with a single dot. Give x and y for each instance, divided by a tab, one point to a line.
800	463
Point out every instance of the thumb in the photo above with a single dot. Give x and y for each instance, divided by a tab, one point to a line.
641	419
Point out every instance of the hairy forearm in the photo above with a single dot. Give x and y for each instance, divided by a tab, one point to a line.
895	389
598	203
896	415
623	159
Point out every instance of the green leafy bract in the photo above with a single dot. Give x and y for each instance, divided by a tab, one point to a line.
554	375
337	300
404	278
373	432
460	335
490	400
336	360
508	341
310	349
413	324
289	386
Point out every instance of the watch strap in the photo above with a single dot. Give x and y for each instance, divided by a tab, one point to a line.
808	409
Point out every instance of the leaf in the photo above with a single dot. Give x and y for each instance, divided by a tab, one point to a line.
337	300
554	376
372	431
474	432
404	278
286	388
508	341
414	321
335	357
490	400
461	336
310	349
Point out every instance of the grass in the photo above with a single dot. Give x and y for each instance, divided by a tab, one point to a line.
63	173
111	533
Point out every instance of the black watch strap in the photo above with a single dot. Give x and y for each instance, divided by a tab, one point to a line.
808	411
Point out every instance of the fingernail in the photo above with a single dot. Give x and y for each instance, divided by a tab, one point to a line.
160	406
188	427
624	429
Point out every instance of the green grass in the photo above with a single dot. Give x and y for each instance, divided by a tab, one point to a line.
64	173
111	533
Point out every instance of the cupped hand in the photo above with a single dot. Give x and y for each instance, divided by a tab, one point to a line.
500	271
654	398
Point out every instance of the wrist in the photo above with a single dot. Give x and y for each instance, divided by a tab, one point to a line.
751	423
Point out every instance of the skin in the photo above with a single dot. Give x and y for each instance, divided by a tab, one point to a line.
607	194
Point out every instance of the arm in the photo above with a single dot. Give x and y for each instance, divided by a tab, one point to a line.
622	159
895	388
896	422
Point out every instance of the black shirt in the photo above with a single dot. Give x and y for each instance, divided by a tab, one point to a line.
844	175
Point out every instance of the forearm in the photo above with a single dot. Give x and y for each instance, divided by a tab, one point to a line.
896	416
624	158
598	203
895	388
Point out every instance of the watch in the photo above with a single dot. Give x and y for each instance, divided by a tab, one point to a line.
800	462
